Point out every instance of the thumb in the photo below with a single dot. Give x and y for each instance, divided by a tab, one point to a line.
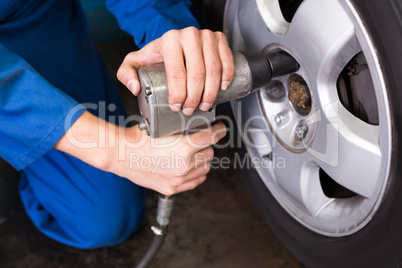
127	73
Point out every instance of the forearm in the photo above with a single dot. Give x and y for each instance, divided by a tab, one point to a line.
93	141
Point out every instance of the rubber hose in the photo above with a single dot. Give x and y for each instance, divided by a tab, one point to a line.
152	250
163	214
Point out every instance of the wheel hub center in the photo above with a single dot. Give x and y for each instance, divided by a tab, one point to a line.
299	95
289	108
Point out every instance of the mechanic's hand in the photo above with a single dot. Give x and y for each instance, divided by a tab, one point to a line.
198	63
168	165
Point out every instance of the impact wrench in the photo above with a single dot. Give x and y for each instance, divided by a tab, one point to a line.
253	70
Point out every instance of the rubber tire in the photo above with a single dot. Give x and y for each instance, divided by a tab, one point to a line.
379	243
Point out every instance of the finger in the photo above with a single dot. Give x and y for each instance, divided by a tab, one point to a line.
213	70
226	57
190	185
206	137
175	70
203	156
198	172
177	182
195	69
200	158
195	178
127	75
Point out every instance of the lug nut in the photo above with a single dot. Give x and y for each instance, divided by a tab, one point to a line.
301	131
275	91
281	119
278	119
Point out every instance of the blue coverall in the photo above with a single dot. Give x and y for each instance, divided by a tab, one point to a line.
48	68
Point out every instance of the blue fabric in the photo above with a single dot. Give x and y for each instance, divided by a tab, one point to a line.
20	113
79	205
147	20
55	54
49	68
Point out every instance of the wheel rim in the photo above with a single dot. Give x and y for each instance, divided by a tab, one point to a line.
353	155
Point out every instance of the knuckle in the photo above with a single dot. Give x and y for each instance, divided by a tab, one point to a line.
207	34
170	191
191	31
214	69
170	34
209	152
177	181
177	73
186	151
196	73
183	172
219	35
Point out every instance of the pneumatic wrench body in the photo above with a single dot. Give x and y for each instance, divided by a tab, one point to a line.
253	70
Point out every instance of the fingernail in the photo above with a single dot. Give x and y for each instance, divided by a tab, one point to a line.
188	111
204	106
133	87
175	107
225	85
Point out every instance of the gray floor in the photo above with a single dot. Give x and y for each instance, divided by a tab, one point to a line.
215	225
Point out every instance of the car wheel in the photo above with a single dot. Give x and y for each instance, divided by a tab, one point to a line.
324	141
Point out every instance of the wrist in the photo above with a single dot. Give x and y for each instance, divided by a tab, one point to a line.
127	140
92	140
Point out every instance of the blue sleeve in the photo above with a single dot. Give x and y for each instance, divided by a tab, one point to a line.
147	20
34	115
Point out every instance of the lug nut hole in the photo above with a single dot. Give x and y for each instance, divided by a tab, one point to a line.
299	95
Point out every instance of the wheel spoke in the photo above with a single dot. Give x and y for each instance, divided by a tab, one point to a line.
300	179
322	36
352	154
272	16
246	11
289	177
